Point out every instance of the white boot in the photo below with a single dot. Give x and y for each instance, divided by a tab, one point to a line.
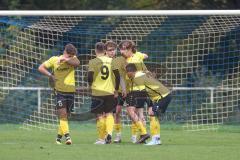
118	138
155	141
134	138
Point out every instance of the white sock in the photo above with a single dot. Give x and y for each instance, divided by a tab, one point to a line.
155	137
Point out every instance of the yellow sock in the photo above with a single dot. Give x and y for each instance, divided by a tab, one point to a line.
101	128
60	132
64	125
118	127
109	124
134	129
141	127
154	126
104	132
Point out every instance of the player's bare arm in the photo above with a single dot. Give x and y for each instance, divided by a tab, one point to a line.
117	82
123	86
145	56
73	61
44	71
42	68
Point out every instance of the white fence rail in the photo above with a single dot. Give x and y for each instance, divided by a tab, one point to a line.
40	89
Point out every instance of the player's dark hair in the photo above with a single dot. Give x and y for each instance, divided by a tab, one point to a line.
131	67
70	49
128	44
100	47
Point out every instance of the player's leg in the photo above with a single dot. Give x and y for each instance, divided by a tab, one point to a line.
63	119
118	124
64	125
141	99
58	99
117	120
154	113
109	127
134	118
161	105
109	105
60	132
154	128
140	112
138	123
69	107
97	109
131	111
100	121
132	101
140	107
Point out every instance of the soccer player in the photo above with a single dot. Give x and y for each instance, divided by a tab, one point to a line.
111	48
63	79
104	79
159	94
129	52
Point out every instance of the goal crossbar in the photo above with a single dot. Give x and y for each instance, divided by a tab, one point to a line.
117	12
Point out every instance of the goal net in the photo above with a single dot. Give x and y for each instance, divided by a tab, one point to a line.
197	56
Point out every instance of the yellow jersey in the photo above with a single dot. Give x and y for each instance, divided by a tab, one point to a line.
103	79
120	64
137	58
63	73
155	89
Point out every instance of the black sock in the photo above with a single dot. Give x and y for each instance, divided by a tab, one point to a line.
67	135
59	136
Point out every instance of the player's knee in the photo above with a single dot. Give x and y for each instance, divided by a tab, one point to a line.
118	109
143	119
62	112
150	112
118	114
130	112
63	115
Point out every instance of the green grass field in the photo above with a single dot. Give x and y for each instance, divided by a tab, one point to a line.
178	144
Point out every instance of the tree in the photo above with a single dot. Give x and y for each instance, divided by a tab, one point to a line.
117	4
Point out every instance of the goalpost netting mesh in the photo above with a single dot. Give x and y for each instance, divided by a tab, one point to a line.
197	56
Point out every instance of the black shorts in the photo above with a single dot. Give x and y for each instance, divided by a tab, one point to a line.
138	99
161	105
103	104
65	100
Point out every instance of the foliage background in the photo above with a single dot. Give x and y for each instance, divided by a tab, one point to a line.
117	4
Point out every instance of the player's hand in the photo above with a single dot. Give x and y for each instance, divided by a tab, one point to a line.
61	60
150	111
115	94
52	81
156	109
151	74
124	94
